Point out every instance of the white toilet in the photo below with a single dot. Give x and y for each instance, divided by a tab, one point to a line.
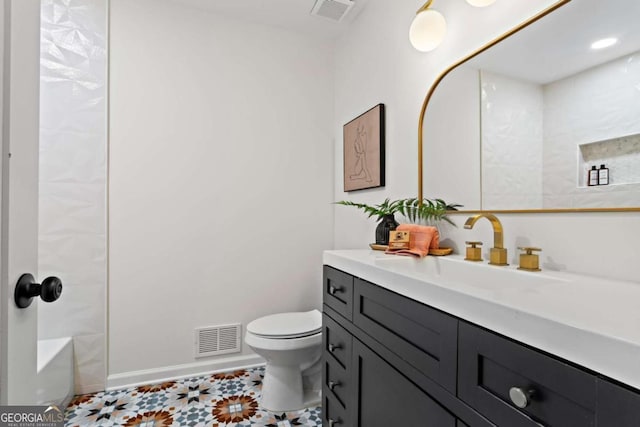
291	343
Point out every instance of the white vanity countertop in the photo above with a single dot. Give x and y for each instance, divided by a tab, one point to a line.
593	322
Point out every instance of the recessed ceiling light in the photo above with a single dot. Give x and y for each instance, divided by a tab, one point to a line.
603	43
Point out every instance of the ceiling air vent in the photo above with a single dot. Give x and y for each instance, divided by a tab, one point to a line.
215	340
332	9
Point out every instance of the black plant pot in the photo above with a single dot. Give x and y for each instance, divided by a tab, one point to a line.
387	223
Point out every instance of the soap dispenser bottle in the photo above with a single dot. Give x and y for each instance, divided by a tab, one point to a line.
593	176
603	175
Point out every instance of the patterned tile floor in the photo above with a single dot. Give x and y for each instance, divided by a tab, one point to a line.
218	400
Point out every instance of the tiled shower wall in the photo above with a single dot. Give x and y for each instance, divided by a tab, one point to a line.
598	104
73	134
512	122
538	141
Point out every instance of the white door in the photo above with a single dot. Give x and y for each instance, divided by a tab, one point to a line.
19	75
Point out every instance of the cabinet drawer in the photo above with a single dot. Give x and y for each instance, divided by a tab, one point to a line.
617	406
495	373
336	342
338	291
426	338
336	380
333	414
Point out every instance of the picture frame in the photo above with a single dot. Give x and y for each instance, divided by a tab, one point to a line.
364	150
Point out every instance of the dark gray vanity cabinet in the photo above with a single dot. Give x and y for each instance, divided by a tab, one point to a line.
387	360
392	361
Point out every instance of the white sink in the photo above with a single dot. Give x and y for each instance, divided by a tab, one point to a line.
455	270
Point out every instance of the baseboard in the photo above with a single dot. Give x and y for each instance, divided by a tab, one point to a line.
168	373
88	388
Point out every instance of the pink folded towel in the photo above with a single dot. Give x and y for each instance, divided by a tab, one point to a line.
421	239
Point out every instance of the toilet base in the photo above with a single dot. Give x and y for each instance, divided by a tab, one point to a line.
283	390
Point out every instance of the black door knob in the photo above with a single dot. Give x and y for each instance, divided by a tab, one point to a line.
27	288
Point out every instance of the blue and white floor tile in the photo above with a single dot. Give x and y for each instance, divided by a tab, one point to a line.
219	400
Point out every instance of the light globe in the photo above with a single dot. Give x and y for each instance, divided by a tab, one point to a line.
427	30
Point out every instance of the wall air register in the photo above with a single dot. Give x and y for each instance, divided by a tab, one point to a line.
334	10
215	340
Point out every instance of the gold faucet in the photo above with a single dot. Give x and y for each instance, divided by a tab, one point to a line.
497	254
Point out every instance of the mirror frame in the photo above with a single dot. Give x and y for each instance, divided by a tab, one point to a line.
437	82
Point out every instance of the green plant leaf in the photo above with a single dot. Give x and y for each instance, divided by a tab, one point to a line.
415	210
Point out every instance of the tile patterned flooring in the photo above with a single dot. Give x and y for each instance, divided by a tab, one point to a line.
218	400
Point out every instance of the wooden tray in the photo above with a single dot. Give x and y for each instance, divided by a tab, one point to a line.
441	251
435	252
376	247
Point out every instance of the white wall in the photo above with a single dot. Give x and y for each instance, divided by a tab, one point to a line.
73	176
376	63
221	179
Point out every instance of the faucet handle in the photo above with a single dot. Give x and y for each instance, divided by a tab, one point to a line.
473	252
529	249
528	260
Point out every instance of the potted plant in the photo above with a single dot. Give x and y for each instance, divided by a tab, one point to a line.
384	211
430	211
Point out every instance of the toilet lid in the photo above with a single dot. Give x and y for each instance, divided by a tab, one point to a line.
287	325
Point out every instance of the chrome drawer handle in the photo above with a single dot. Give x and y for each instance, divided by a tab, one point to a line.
333	422
521	398
333	290
334	347
334	384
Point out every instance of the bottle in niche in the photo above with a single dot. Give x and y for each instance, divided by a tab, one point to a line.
593	176
603	175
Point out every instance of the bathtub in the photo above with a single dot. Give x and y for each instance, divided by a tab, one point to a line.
55	372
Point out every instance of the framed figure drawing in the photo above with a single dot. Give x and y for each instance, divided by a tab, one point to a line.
363	142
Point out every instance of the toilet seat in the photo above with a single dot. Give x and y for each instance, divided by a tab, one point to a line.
287	325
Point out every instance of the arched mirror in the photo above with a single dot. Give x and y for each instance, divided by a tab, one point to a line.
521	124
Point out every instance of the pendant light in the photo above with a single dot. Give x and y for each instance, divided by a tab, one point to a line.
429	26
427	29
